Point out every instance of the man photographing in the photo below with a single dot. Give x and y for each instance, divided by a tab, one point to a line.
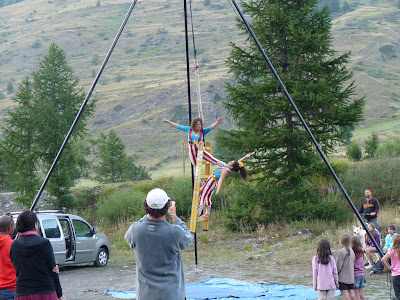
158	245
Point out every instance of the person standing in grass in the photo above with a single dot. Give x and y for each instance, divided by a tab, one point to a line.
325	275
359	277
345	267
394	255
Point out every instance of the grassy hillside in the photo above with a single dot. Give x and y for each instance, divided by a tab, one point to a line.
145	78
368	32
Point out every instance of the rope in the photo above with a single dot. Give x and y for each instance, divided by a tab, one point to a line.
196	68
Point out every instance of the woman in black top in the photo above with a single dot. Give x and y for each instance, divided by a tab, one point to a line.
33	259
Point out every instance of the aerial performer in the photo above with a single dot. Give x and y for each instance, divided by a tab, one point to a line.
196	135
215	181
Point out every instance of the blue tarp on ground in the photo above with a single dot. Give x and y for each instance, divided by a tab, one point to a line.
225	289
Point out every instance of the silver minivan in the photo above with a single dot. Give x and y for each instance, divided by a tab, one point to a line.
73	239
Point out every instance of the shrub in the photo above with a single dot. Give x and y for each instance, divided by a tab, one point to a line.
118	107
121	205
253	205
387	51
371	145
99	121
181	192
379	175
354	151
36	44
389	149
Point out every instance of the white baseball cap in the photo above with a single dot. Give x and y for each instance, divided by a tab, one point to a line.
157	198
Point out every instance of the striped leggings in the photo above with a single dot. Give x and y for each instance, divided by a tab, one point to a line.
205	195
193	149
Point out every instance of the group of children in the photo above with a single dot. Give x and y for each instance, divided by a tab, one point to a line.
347	272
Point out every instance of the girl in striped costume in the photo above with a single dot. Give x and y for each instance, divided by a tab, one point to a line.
215	180
196	134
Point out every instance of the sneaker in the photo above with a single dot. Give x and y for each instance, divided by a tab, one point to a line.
369	266
372	272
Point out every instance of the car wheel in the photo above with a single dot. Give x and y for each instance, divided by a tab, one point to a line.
102	258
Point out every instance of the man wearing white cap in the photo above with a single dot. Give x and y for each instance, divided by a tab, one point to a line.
158	245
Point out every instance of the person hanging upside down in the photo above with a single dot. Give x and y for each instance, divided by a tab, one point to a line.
215	181
196	134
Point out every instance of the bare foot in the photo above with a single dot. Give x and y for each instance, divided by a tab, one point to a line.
205	216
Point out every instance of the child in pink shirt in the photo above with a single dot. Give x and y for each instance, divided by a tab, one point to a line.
325	276
394	255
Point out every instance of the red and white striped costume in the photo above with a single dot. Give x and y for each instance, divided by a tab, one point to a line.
193	150
208	189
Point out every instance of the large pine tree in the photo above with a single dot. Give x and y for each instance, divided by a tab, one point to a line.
297	38
19	151
46	107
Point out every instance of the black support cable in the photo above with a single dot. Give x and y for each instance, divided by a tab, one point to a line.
34	203
306	127
190	107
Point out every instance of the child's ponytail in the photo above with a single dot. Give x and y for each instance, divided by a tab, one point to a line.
239	166
345	241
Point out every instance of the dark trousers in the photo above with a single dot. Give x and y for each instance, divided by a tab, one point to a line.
396	286
378	267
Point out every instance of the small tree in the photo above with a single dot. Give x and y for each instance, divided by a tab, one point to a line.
112	158
114	164
354	151
371	145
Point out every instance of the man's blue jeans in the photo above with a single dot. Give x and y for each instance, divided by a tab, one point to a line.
6	294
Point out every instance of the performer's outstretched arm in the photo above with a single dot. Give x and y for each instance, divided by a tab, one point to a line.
170	123
219	120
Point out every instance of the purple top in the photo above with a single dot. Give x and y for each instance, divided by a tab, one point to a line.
325	277
359	266
377	238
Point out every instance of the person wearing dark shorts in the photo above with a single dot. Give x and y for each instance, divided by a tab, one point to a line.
345	267
346	286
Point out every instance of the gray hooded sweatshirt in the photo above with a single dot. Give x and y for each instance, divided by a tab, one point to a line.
159	267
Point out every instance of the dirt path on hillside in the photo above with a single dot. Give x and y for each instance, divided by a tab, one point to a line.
89	283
